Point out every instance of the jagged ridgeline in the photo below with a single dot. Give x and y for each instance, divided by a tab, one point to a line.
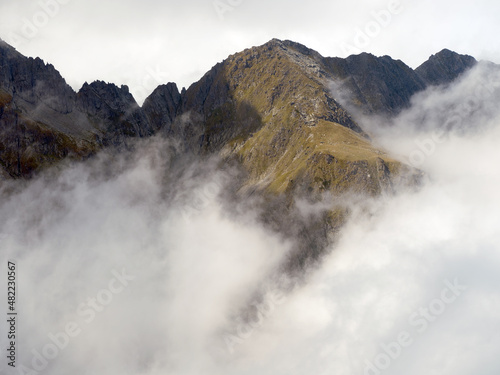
271	108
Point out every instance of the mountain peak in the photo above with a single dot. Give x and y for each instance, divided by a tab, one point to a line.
444	67
289	46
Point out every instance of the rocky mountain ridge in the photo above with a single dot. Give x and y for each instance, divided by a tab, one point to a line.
273	107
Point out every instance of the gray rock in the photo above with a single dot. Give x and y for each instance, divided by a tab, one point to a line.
163	106
444	67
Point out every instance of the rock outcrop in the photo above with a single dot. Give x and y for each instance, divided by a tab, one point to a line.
163	106
113	111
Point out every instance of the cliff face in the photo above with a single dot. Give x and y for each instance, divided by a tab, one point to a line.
113	111
162	106
43	120
274	108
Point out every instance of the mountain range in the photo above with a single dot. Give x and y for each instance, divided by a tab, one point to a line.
274	108
284	114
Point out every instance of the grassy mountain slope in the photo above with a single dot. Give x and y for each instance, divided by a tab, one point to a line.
283	124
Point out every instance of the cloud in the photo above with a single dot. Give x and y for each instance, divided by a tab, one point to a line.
79	227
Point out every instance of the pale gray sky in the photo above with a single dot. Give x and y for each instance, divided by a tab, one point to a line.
148	42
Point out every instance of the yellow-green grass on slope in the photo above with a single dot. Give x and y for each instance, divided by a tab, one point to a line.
328	156
292	140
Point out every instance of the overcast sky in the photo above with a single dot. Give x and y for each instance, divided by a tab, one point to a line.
145	43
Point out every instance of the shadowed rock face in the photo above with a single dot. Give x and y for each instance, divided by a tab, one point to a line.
42	119
444	67
162	106
32	81
40	93
113	111
378	85
272	108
